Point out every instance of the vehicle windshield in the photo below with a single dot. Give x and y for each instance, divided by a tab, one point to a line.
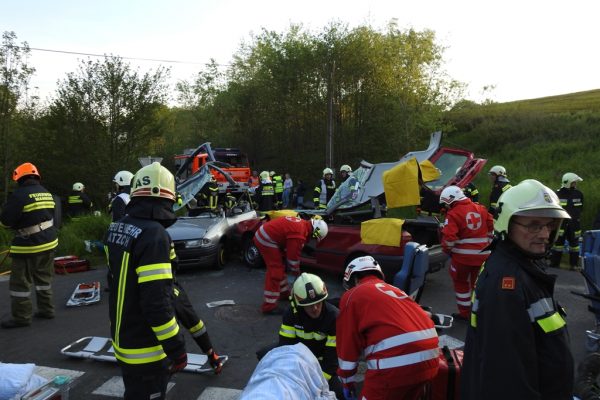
347	194
448	164
192	185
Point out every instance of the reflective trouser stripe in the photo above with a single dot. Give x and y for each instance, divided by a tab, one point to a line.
34	249
401	361
14	293
44	287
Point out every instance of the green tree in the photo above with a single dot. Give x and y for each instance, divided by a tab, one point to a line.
14	81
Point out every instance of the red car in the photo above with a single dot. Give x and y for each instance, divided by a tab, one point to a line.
360	199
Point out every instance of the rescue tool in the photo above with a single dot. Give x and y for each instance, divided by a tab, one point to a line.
101	349
85	294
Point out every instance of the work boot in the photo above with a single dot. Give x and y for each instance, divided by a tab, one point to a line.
586	386
13	323
39	314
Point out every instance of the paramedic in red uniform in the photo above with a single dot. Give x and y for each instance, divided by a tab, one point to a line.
396	337
467	231
279	238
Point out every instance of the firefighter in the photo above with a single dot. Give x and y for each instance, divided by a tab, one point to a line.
345	171
470	190
310	320
29	212
206	199
279	238
187	316
467	231
145	334
500	184
122	183
324	190
571	199
517	344
78	202
278	185
265	193
393	333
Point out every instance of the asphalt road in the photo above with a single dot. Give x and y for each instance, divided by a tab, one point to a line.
237	331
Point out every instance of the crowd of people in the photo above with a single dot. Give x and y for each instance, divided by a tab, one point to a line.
499	255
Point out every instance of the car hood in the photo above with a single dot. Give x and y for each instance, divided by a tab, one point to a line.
192	227
456	167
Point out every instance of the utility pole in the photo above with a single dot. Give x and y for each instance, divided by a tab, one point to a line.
329	155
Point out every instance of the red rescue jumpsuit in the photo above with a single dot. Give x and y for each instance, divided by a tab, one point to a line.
396	336
467	231
275	239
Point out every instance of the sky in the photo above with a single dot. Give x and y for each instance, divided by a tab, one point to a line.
521	49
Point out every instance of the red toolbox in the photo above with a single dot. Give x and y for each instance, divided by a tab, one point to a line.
446	385
69	264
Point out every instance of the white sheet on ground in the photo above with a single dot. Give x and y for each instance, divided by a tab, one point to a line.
288	373
18	379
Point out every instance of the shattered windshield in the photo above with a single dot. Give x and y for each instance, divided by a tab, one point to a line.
192	185
447	164
347	194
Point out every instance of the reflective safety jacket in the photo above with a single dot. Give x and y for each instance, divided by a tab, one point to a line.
323	192
265	193
317	334
467	231
517	344
397	338
78	203
29	212
285	233
571	199
501	185
278	183
143	326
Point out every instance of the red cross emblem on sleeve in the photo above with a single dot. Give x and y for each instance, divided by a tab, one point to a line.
473	220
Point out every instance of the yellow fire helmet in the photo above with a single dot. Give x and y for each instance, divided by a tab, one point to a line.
153	180
309	289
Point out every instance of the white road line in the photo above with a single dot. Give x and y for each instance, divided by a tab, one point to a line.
217	393
50	373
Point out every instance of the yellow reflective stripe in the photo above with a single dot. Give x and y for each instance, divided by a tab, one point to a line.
287	331
326	375
139	356
552	323
121	295
331	341
176	291
199	327
154	272
474	320
34	249
75	200
38	205
309	335
172	254
166	330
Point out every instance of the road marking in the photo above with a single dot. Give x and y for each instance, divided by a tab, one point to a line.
217	393
114	388
50	373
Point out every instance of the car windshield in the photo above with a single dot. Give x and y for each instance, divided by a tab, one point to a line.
448	164
347	194
192	185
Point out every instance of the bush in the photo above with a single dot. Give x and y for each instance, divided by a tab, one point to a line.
74	233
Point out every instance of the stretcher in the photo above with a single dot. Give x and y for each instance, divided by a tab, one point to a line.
101	349
85	294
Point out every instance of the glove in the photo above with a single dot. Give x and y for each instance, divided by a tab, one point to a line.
179	363
349	390
215	363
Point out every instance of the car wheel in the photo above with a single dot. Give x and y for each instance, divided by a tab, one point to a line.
252	256
221	256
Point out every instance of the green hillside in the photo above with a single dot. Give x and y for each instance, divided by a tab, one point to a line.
538	138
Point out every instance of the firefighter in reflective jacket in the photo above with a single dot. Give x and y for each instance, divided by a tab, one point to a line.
517	344
324	189
122	184
78	202
571	199
500	184
278	186
206	199
396	337
145	334
279	238
265	193
468	230
29	212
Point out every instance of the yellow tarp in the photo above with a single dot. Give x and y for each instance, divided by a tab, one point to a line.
274	214
401	183
383	231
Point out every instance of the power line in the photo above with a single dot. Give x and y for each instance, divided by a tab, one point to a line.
125	58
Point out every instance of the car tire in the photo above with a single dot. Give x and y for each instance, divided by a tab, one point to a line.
251	254
221	256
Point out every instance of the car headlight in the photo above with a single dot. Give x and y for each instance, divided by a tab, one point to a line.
192	244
